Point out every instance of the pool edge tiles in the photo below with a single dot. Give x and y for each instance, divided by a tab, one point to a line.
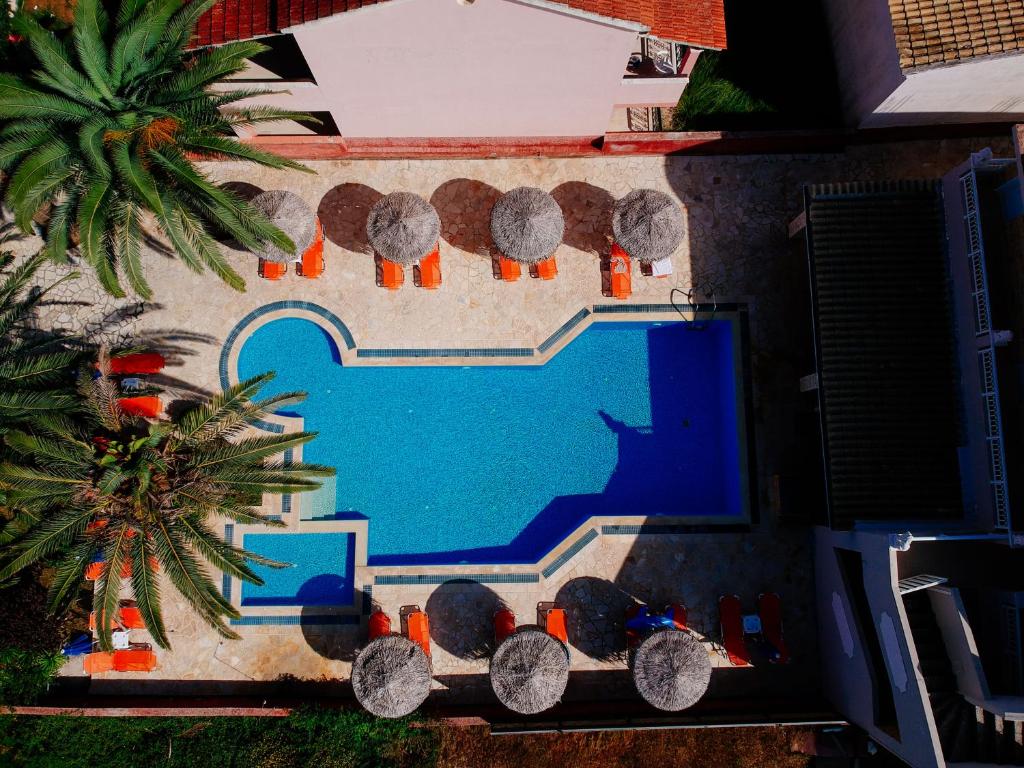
535	355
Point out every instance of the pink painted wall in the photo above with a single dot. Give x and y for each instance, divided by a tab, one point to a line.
432	68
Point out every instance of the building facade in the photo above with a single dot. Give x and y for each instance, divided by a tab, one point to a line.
440	69
918	367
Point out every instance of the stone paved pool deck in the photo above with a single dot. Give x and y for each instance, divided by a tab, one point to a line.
737	210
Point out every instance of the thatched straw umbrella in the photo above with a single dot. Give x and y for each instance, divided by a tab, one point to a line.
529	671
391	676
289	213
648	224
403	227
671	669
527	225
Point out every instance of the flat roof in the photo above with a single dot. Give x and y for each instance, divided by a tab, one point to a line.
885	351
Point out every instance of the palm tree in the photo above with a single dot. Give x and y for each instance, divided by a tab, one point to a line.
142	495
107	128
36	371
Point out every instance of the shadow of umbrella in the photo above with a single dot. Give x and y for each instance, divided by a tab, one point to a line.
464	206
588	216
596	613
343	211
247	192
462	618
339	642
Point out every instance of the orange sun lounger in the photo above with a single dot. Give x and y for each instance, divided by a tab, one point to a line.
97	662
504	624
141	363
429	273
731	621
545	270
769	608
380	625
621	279
134	660
554	624
148	407
95	570
312	263
130	660
271	270
510	269
417	629
391	275
128	617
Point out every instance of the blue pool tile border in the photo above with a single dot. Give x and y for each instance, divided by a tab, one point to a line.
614	309
625	309
367	599
448	352
570	553
672	528
267	426
441	578
286	499
225	579
567	326
275	306
292	621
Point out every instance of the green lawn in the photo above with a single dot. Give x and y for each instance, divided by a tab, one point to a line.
330	738
312	739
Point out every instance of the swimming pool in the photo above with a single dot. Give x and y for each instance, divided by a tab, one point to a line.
497	464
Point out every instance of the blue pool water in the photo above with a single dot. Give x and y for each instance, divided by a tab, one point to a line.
496	464
321	572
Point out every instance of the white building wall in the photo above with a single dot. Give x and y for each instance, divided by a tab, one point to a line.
845	662
864	47
445	68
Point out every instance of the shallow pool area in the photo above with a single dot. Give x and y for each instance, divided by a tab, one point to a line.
498	463
319	572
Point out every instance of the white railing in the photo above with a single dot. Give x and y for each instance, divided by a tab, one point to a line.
986	350
643	119
661	58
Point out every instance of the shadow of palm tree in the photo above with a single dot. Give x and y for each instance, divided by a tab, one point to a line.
175	346
464	206
596	614
462	618
343	211
588	216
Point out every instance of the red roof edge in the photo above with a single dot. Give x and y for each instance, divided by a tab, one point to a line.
700	23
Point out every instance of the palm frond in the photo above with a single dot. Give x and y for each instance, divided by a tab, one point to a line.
106	598
146	588
88	32
68	577
53	534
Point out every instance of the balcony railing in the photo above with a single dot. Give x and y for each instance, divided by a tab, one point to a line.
661	58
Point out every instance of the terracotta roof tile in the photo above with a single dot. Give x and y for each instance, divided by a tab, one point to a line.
942	31
694	22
